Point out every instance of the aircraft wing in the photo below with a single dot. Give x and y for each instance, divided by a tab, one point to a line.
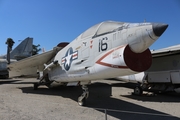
166	51
29	66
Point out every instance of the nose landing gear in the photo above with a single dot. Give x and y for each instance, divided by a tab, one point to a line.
84	96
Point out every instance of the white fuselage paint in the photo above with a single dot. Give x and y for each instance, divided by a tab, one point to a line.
90	49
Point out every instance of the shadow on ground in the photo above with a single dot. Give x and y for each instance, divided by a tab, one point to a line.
149	96
100	99
8	81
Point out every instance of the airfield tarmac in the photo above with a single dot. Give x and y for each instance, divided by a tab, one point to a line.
18	101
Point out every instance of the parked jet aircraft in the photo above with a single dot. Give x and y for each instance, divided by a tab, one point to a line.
162	76
23	50
106	50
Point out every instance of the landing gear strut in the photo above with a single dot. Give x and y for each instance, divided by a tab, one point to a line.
84	96
43	81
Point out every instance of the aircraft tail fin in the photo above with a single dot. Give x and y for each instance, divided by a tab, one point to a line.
23	50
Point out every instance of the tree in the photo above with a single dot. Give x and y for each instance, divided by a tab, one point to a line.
35	49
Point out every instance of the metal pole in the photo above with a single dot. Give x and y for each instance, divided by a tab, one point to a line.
105	114
8	54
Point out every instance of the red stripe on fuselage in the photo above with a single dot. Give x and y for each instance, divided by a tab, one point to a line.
108	64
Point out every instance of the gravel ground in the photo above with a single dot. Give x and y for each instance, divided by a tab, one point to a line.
18	101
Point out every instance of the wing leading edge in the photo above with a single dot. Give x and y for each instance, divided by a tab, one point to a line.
30	65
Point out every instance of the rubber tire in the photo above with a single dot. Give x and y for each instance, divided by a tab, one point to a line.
138	90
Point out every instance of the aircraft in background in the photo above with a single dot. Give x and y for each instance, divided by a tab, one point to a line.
162	76
23	50
106	50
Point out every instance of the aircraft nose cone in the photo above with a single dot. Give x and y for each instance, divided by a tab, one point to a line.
159	28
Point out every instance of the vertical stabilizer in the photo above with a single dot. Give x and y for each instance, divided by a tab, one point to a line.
23	50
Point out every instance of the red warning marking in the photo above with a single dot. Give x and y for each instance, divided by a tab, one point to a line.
91	46
91	41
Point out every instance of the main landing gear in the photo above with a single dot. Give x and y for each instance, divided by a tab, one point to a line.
81	99
43	81
84	96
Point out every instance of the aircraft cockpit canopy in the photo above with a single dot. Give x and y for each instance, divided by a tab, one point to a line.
102	28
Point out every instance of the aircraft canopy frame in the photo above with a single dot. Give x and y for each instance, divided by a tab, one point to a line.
102	28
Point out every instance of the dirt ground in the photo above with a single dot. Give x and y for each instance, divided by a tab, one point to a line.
18	101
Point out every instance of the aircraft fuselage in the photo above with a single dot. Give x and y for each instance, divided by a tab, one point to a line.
106	50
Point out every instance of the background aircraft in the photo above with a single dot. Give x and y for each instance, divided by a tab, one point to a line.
162	76
106	50
23	50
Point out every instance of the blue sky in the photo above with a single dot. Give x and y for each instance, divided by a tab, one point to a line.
50	22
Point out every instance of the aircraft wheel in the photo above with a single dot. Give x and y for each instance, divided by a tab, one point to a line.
138	90
82	102
36	86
